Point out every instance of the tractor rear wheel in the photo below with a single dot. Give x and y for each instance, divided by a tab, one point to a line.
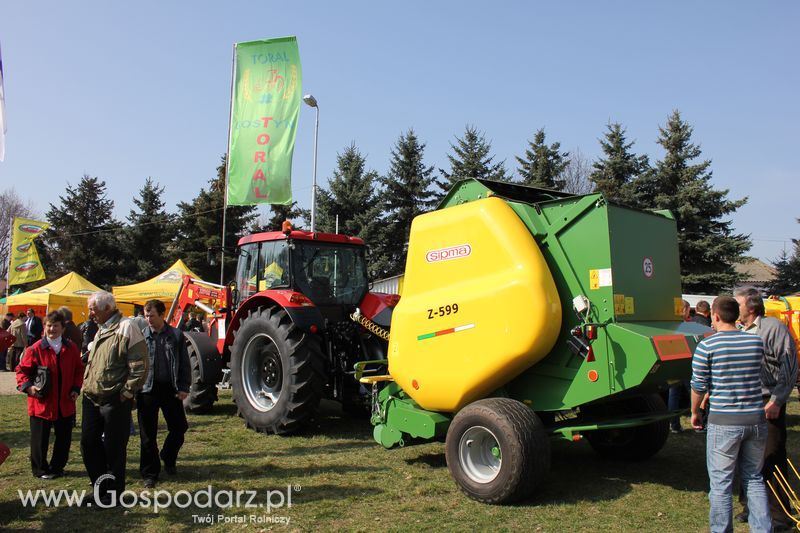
204	361
277	373
497	450
640	442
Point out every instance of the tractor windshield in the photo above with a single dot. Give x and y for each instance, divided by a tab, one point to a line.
330	274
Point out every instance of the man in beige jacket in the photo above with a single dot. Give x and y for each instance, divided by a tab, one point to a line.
117	369
20	332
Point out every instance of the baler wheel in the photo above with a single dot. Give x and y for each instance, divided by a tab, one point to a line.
636	443
277	373
497	450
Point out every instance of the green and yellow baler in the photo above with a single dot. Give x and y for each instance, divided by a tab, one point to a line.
528	314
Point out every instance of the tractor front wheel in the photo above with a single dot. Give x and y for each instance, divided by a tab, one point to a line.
497	450
204	360
277	373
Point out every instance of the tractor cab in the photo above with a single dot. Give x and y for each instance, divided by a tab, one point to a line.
328	269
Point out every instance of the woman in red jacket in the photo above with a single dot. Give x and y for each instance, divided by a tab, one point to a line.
56	409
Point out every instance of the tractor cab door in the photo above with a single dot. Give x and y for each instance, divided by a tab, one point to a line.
262	266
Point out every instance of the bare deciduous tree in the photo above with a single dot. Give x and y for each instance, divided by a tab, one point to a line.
576	174
11	205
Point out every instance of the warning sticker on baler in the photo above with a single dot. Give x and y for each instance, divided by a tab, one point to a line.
600	277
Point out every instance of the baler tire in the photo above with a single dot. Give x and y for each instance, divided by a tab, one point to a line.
524	449
202	394
302	377
636	443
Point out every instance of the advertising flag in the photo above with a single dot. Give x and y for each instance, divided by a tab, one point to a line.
265	105
2	112
24	266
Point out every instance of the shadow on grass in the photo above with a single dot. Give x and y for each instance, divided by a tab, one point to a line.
579	475
12	510
226	471
433	460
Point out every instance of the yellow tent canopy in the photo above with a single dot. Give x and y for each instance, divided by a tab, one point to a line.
71	290
162	287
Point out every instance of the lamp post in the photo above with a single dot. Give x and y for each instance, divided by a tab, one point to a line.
312	102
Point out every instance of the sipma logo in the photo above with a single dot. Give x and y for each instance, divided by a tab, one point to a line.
30	228
24	247
445	254
28	265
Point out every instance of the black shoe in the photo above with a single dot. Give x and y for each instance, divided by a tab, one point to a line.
741	517
47	476
53	475
149	483
170	469
675	430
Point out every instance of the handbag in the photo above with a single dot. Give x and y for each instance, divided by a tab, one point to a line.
42	381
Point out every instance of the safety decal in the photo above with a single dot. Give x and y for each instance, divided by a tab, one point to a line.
445	332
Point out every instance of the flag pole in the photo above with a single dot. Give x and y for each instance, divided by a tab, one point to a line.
10	250
225	177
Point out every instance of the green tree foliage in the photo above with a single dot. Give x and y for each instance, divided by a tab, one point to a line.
407	193
282	213
708	246
84	236
787	278
352	195
470	159
614	173
199	228
543	164
150	233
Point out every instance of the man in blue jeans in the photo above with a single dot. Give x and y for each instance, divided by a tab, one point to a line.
726	367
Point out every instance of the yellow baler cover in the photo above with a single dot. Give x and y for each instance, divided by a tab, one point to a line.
479	305
786	309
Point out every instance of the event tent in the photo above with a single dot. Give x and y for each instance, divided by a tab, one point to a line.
71	290
163	287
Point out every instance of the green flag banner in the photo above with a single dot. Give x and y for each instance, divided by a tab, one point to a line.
264	110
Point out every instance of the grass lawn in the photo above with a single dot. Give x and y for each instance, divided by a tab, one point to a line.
341	479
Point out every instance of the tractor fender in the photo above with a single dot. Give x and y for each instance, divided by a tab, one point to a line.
378	306
303	315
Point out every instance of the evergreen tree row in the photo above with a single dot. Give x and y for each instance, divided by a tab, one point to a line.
85	237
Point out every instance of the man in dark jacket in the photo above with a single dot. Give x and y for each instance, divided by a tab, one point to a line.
166	387
34	325
71	330
55	407
702	313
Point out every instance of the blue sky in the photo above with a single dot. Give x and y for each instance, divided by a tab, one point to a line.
123	91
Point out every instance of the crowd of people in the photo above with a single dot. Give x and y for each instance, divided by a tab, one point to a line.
118	364
742	378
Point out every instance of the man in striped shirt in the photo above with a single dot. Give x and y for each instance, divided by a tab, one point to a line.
726	367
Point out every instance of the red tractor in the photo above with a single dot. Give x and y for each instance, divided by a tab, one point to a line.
287	328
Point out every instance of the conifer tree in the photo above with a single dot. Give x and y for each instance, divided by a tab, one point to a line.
84	237
470	159
787	275
150	233
614	173
542	165
407	194
708	247
199	228
353	197
282	213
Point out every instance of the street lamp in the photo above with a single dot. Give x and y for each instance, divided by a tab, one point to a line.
312	102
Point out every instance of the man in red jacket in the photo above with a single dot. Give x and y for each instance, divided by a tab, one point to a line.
56	407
